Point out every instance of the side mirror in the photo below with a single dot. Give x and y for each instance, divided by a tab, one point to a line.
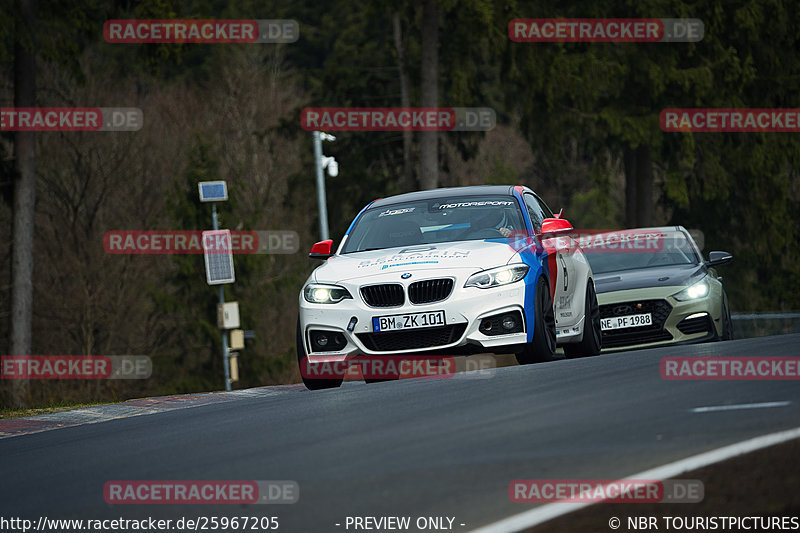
718	258
556	225
322	250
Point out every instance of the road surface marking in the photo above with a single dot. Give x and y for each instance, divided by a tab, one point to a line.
764	405
547	512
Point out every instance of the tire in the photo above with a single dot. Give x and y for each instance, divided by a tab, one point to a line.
543	347
592	340
727	322
311	384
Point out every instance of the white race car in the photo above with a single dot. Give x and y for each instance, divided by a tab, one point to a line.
452	271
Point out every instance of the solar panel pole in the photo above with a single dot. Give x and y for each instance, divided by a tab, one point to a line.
219	270
225	360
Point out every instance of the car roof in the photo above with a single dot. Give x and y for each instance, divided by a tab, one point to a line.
477	190
649	228
661	229
666	230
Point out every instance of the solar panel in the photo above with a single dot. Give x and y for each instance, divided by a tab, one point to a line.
219	257
213	191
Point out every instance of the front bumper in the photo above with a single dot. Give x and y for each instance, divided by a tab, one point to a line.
675	322
464	310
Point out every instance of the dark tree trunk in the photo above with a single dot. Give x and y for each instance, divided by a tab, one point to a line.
644	187
429	175
24	199
630	187
638	186
407	180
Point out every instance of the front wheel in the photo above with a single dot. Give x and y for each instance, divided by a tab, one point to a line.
592	340
310	383
543	347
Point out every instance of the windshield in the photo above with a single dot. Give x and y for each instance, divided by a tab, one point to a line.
436	220
655	249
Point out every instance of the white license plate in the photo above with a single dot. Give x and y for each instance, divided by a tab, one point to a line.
629	321
409	321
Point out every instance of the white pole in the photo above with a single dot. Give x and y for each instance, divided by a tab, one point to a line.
321	200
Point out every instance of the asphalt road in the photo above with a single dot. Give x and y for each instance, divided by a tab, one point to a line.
440	448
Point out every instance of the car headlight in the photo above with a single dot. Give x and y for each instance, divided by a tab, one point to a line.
693	292
497	276
317	293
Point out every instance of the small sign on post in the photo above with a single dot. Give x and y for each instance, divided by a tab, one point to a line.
228	315
234	362
237	339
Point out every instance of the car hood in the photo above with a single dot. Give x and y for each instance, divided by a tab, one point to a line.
667	276
473	255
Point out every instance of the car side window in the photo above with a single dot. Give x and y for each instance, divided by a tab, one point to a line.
535	211
546	212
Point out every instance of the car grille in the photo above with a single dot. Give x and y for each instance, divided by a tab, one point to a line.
655	332
386	295
391	341
700	324
430	290
631	338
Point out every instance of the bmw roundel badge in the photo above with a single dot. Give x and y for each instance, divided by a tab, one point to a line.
406	275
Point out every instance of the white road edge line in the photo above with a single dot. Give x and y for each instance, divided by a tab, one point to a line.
547	512
764	405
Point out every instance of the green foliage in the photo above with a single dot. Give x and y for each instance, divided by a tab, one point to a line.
740	189
502	174
189	300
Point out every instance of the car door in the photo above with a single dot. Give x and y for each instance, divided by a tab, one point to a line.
563	265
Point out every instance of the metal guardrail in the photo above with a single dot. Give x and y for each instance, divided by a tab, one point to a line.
747	325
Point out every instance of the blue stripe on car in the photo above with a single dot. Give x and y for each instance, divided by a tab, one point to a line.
353	223
535	257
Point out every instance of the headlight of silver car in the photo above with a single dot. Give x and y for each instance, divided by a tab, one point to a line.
318	293
693	292
496	277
